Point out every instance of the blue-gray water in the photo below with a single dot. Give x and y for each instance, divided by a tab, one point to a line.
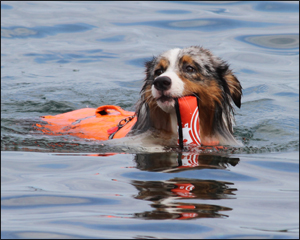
62	56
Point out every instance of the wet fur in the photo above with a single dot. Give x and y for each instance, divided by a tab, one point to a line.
212	82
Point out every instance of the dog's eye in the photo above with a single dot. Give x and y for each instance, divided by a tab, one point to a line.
158	72
190	69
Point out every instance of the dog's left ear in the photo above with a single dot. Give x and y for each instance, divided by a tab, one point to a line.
235	88
232	83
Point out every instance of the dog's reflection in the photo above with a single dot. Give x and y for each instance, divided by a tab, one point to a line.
168	196
175	162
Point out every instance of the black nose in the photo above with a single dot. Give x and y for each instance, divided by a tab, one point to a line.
162	83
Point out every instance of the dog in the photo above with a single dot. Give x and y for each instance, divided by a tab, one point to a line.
192	71
187	99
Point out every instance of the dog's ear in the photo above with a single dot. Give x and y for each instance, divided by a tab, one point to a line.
143	119
232	83
149	65
235	88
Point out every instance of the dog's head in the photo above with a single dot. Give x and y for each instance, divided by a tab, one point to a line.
183	72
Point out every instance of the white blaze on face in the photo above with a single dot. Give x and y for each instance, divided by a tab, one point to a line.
177	85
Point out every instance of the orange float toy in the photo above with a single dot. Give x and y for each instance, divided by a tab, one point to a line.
108	122
105	122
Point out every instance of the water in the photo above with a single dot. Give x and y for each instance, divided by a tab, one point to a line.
61	56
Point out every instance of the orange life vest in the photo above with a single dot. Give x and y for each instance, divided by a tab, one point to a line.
107	122
99	124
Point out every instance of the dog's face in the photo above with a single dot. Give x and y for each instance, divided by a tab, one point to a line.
191	71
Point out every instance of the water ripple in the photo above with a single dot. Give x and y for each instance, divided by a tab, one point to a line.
173	11
274	41
201	24
78	56
277	7
43	31
6	7
38	201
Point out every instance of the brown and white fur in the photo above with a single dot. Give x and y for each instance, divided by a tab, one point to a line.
189	71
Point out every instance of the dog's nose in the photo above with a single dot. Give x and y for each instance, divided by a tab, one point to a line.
162	83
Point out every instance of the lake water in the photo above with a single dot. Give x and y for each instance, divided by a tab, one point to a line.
61	56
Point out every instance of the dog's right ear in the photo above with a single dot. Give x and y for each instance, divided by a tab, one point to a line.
149	67
143	119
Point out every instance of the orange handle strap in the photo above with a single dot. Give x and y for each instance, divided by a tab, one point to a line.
103	110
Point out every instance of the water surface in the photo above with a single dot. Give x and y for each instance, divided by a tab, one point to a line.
62	56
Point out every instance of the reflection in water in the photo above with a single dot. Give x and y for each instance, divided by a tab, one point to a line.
168	196
175	162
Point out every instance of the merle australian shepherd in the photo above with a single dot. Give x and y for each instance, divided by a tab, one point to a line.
184	72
